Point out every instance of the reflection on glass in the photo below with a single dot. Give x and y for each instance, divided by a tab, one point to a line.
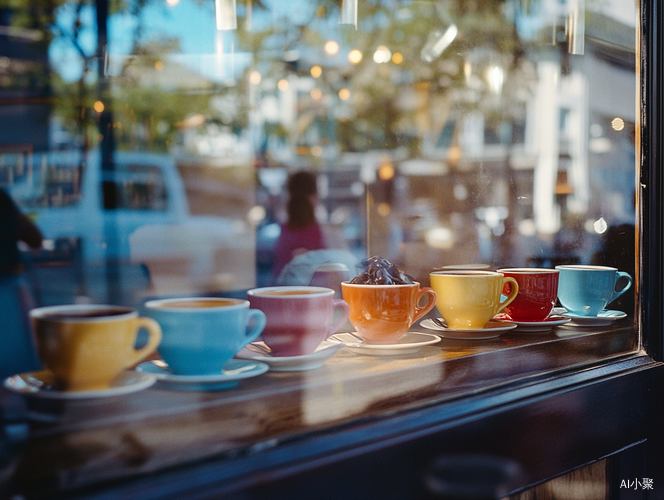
501	149
441	38
575	27
437	42
349	12
569	26
225	13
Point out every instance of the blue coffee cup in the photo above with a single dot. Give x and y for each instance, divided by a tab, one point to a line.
587	290
199	335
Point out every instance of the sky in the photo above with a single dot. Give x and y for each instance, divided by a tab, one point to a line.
202	47
193	24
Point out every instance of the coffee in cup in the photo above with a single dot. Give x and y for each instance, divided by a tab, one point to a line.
87	346
586	290
299	318
538	290
467	299
201	334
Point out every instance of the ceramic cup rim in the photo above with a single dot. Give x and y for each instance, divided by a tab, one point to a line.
585	267
43	313
156	305
464	267
263	292
367	285
468	273
528	270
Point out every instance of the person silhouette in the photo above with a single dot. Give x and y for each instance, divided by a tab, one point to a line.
302	232
18	353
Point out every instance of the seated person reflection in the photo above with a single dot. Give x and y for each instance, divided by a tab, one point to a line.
302	232
17	353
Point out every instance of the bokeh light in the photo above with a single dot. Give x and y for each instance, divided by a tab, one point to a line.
255	78
386	171
354	56
331	47
618	124
384	209
382	55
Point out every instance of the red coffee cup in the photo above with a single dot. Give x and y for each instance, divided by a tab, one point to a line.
538	290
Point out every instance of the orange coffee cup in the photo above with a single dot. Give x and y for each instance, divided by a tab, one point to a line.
382	314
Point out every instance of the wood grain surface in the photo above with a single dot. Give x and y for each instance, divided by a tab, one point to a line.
66	446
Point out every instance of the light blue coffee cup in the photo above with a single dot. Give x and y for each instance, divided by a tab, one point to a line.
199	335
587	290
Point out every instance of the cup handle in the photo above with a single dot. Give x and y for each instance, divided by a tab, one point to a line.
154	332
421	311
514	290
616	294
259	322
345	313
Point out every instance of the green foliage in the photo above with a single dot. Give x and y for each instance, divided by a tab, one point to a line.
376	115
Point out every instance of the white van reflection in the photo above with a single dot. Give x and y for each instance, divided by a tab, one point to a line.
150	227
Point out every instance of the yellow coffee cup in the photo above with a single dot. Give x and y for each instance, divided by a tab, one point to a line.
87	346
467	300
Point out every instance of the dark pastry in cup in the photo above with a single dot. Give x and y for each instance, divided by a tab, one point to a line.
379	271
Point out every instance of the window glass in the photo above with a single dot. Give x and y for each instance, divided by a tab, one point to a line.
170	149
37	180
140	187
440	133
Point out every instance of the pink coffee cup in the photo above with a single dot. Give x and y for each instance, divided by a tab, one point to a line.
299	318
538	290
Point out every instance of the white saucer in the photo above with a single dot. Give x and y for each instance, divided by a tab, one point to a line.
40	384
234	371
605	317
411	342
491	330
294	363
541	326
